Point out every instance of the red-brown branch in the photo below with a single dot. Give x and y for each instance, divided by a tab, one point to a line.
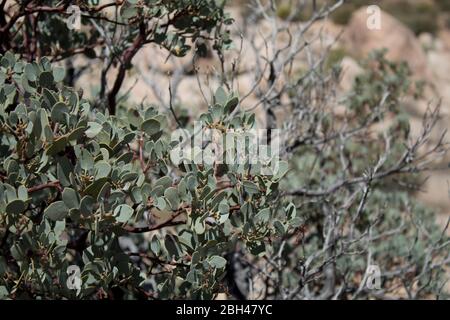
168	223
141	155
53	184
126	60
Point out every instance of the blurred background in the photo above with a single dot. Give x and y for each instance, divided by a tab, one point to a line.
413	31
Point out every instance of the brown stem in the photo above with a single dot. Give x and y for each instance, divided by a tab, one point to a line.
168	223
141	155
26	11
127	56
154	259
53	184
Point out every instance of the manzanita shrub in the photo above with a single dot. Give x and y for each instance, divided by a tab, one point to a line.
74	180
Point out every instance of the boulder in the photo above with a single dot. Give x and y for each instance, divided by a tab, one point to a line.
393	35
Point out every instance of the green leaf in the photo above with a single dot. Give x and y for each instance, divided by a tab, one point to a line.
22	193
282	168
151	126
104	192
49	98
15	207
296	222
199	226
56	211
217	262
130	176
160	203
220	96
103	169
231	105
123	213
155	245
94	129
46	79
192	183
165	182
217	112
172	246
59	112
291	211
76	134
30	72
94	188
224	208
263	215
63	170
59	73
3	292
128	12
126	157
87	161
57	146
26	86
87	205
172	197
70	198
279	228
2	78
59	228
250	187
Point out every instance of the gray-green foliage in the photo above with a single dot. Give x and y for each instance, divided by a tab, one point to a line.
74	180
353	193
